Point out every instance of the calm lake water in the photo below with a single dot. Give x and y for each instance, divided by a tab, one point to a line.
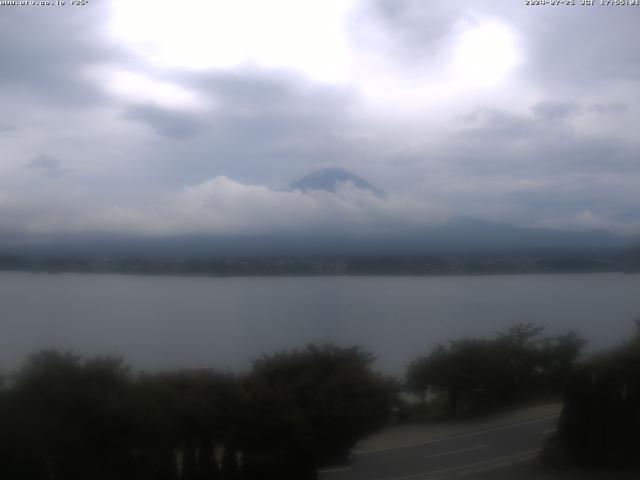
167	322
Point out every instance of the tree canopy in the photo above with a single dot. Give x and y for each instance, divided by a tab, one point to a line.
478	374
600	423
67	417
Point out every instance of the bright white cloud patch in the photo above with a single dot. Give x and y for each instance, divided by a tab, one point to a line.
222	34
485	53
140	88
219	206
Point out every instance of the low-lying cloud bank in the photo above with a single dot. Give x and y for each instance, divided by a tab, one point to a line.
223	206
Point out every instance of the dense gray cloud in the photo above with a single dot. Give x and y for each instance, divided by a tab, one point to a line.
165	122
49	166
585	46
260	126
555	110
43	51
409	31
97	135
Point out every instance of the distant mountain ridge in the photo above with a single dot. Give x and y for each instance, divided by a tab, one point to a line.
462	235
327	179
473	234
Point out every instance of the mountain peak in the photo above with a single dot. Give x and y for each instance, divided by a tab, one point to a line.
327	179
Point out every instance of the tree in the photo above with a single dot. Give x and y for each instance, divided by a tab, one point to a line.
313	406
71	418
468	371
479	374
559	357
186	413
600	422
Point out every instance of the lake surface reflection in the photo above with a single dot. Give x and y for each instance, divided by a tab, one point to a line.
168	322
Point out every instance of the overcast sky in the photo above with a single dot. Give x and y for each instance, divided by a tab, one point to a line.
163	117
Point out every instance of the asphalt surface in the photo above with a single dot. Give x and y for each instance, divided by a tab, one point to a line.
485	453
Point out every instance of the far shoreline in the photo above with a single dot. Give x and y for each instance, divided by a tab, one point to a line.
321	275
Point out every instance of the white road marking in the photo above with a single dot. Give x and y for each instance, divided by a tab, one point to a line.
335	470
476	467
455	437
453	452
547	432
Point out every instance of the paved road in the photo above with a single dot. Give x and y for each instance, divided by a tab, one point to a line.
464	455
